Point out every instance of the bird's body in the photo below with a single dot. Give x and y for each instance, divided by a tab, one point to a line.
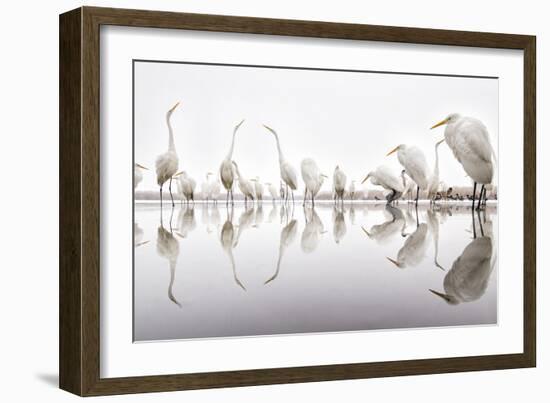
227	170
383	176
414	249
414	161
313	229
272	191
138	174
312	177
166	164
215	189
288	173
339	180
246	186
186	186
352	190
339	228
469	141
206	188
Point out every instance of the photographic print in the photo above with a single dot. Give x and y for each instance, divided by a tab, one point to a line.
273	200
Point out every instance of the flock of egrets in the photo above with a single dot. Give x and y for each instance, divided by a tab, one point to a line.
467	137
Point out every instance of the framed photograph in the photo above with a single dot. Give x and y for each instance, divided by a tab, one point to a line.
248	201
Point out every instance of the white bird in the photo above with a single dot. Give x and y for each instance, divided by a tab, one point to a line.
138	174
414	248
215	189
272	191
168	247
167	163
468	139
313	179
288	234
227	172
468	278
246	186
186	186
227	239
258	189
314	228
435	183
352	190
288	173
339	183
186	221
408	185
206	188
339	228
395	223
383	176
414	161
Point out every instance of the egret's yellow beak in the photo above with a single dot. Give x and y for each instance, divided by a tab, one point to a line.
174	107
395	262
443	122
366	178
392	151
142	167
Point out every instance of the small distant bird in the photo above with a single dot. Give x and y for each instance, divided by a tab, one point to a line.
339	183
167	163
414	162
383	176
246	186
352	190
227	171
186	186
468	138
272	191
206	187
138	174
288	173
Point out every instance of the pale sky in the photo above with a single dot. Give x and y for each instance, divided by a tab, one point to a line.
337	118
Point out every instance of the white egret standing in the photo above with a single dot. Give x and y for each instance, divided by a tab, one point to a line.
246	186
352	190
227	173
215	189
138	174
414	161
167	163
186	186
339	180
288	173
272	191
206	188
435	183
468	138
313	179
383	176
258	189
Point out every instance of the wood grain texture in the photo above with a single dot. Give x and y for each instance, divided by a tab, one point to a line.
80	200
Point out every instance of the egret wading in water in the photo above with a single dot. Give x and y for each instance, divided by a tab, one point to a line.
138	174
435	183
288	173
313	179
272	191
468	139
383	176
227	172
339	181
246	186
186	186
167	163
414	162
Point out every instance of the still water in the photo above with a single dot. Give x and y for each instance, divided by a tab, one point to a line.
207	271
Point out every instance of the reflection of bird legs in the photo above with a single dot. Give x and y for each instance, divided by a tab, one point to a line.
171	285
230	253
170	190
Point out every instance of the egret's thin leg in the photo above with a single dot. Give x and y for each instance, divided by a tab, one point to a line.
416	210
417	191
480	196
161	197
170	190
292	194
227	199
312	200
474	196
474	224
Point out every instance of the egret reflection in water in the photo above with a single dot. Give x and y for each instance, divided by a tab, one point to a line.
285	276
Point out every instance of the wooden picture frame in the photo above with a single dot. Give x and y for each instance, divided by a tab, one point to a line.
80	199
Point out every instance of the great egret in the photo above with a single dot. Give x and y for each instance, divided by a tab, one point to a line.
206	188
468	138
433	225
227	172
288	234
168	247
272	191
246	186
383	176
227	239
288	173
468	278
395	223
414	161
138	174
215	189
167	163
258	189
435	183
408	185
339	183
414	248
246	220
339	228
186	186
313	179
352	190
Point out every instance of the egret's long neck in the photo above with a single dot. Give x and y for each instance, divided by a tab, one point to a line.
281	158
403	179
171	144
436	168
230	154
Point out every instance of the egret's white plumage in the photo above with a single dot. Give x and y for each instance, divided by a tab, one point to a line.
313	229
312	177
206	188
288	173
186	186
408	185
166	164
227	239
258	189
138	174
352	190
414	161
246	186
215	189
414	249
168	247
227	170
383	233
339	227
383	176
288	235
339	180
272	190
